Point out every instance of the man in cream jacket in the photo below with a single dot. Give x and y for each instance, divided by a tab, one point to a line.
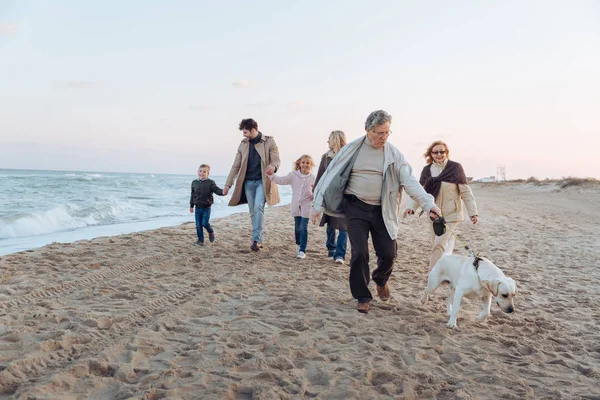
364	183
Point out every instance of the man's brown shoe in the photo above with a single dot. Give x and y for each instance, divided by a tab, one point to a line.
363	307
383	292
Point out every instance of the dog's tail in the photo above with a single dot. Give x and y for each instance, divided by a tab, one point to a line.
448	251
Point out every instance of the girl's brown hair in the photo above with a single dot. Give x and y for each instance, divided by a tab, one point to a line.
297	162
427	154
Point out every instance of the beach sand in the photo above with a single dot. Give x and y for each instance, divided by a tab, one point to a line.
151	316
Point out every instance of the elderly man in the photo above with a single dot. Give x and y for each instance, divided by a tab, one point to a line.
256	154
364	182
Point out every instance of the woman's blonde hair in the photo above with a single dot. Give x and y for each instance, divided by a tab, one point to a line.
339	140
427	154
303	156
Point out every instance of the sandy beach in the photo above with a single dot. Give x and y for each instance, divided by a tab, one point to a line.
151	316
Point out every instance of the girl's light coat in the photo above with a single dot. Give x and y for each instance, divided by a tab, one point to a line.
302	191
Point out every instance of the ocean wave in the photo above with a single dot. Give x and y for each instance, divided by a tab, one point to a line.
37	205
63	218
85	176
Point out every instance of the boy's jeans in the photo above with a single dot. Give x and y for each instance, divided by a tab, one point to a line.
336	250
301	232
202	215
255	194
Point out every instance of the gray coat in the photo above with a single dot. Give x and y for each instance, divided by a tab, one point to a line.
397	174
333	222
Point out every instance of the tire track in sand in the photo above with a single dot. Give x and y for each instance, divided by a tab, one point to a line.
69	349
94	278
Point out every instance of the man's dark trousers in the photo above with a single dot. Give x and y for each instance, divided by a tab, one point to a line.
362	219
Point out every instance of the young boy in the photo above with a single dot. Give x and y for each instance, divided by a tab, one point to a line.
202	197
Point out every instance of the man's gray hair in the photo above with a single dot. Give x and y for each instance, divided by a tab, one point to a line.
377	118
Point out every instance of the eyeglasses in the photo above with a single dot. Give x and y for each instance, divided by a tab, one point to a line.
383	134
439	152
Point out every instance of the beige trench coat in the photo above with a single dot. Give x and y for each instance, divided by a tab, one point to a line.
269	155
450	200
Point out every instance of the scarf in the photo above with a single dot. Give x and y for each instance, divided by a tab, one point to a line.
453	173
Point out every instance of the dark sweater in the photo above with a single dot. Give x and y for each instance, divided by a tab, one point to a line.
202	193
254	169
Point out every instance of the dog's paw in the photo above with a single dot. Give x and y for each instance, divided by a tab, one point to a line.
482	317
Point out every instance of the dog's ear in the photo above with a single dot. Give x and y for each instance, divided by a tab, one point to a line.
492	286
513	283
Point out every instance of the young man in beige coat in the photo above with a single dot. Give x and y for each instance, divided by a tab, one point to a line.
256	154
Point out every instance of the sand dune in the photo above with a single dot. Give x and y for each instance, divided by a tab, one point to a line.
151	316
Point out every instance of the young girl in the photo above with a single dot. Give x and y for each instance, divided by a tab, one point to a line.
301	180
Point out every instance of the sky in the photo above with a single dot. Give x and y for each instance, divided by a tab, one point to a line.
160	87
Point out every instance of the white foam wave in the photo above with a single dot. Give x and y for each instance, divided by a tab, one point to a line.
62	218
84	176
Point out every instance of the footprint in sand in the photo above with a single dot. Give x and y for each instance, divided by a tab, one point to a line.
451	358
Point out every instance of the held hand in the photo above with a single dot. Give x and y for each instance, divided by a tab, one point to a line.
270	170
435	213
225	190
474	219
315	216
191	209
407	212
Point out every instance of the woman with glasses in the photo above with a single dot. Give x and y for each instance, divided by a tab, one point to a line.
336	249
446	181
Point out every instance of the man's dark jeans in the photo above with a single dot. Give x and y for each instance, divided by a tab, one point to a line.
202	215
362	219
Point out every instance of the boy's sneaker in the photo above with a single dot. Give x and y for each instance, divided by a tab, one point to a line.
339	260
211	236
199	243
301	255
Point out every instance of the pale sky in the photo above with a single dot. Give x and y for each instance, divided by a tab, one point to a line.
157	86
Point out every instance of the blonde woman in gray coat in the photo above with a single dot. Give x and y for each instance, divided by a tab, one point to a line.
336	249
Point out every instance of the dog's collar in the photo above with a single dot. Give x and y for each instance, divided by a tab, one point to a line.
476	262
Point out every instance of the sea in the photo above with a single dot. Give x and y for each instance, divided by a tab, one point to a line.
42	207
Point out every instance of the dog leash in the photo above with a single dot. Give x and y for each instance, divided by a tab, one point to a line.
466	246
440	229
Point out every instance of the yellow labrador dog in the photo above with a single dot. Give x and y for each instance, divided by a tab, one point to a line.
473	278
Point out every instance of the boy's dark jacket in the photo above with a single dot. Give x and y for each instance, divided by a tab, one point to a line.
202	193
